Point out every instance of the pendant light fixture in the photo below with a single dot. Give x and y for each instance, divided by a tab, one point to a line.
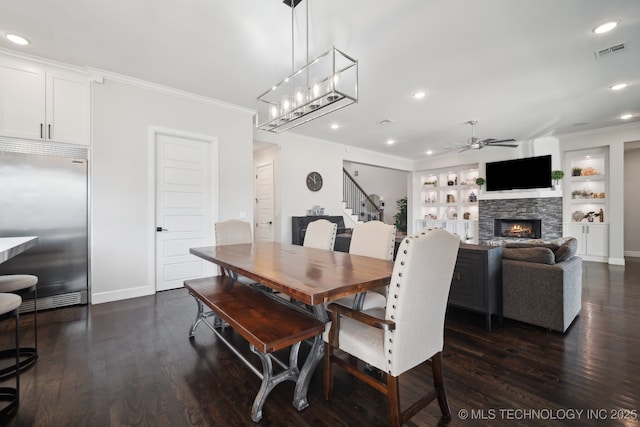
326	84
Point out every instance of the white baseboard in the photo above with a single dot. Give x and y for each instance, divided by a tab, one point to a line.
102	297
616	261
632	254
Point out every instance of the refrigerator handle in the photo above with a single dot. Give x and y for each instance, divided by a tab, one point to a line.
49	137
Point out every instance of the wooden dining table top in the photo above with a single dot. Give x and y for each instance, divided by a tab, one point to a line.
312	276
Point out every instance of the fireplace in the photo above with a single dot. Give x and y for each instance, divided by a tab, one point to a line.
518	228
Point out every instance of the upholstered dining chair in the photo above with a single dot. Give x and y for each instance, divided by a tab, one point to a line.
405	334
233	232
377	240
320	234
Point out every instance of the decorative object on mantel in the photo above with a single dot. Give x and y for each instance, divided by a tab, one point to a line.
480	182
589	172
576	171
578	216
315	211
326	84
472	197
575	194
556	175
430	183
591	215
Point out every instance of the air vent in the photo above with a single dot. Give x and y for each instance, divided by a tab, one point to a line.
620	47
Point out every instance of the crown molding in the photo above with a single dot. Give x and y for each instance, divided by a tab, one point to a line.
42	61
98	76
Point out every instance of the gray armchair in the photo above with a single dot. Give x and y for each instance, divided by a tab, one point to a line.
542	294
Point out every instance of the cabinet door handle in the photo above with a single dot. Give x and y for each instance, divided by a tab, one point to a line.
41	130
49	137
457	276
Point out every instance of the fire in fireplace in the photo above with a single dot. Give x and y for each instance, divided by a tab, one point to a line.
518	228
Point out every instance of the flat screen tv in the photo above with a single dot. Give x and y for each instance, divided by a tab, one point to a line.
519	174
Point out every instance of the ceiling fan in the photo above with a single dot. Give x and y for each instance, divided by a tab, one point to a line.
476	144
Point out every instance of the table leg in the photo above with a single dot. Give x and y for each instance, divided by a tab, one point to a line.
313	358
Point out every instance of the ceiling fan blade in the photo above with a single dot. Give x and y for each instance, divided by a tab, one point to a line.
446	151
497	141
503	145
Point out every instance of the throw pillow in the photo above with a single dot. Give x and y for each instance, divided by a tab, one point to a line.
536	254
567	250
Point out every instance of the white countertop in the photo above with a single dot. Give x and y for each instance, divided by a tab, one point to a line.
12	246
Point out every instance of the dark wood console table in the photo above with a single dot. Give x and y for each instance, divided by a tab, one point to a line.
477	281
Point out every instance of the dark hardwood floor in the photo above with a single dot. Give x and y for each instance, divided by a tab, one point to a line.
130	363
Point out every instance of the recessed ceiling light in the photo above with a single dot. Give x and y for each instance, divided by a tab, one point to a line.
419	95
606	27
626	116
390	142
429	152
335	126
17	39
618	86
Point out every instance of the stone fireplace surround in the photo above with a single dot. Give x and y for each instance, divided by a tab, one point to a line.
547	209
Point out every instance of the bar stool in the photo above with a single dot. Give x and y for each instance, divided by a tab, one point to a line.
9	307
21	284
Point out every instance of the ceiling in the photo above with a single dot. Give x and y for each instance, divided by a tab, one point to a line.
523	69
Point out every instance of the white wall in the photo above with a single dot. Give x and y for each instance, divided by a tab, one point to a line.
122	223
297	156
632	202
389	184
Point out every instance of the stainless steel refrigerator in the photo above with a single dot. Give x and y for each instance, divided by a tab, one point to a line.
44	193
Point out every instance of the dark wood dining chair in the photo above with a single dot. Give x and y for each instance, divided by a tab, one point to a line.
407	333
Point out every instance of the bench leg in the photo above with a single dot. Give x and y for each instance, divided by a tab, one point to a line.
201	315
269	381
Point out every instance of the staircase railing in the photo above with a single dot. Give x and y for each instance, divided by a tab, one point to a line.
358	201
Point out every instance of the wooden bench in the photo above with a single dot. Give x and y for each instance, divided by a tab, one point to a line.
267	324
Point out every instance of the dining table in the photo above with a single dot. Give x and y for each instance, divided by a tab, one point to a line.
308	276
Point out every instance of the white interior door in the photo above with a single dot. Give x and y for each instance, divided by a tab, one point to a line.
265	224
183	208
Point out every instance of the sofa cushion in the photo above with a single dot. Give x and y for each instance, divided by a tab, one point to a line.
540	255
567	250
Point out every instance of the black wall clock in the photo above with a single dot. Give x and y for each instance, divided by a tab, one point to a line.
314	181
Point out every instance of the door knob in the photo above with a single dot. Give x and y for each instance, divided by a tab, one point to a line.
270	222
159	229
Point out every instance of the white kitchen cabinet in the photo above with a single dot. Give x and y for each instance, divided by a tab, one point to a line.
593	239
43	103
